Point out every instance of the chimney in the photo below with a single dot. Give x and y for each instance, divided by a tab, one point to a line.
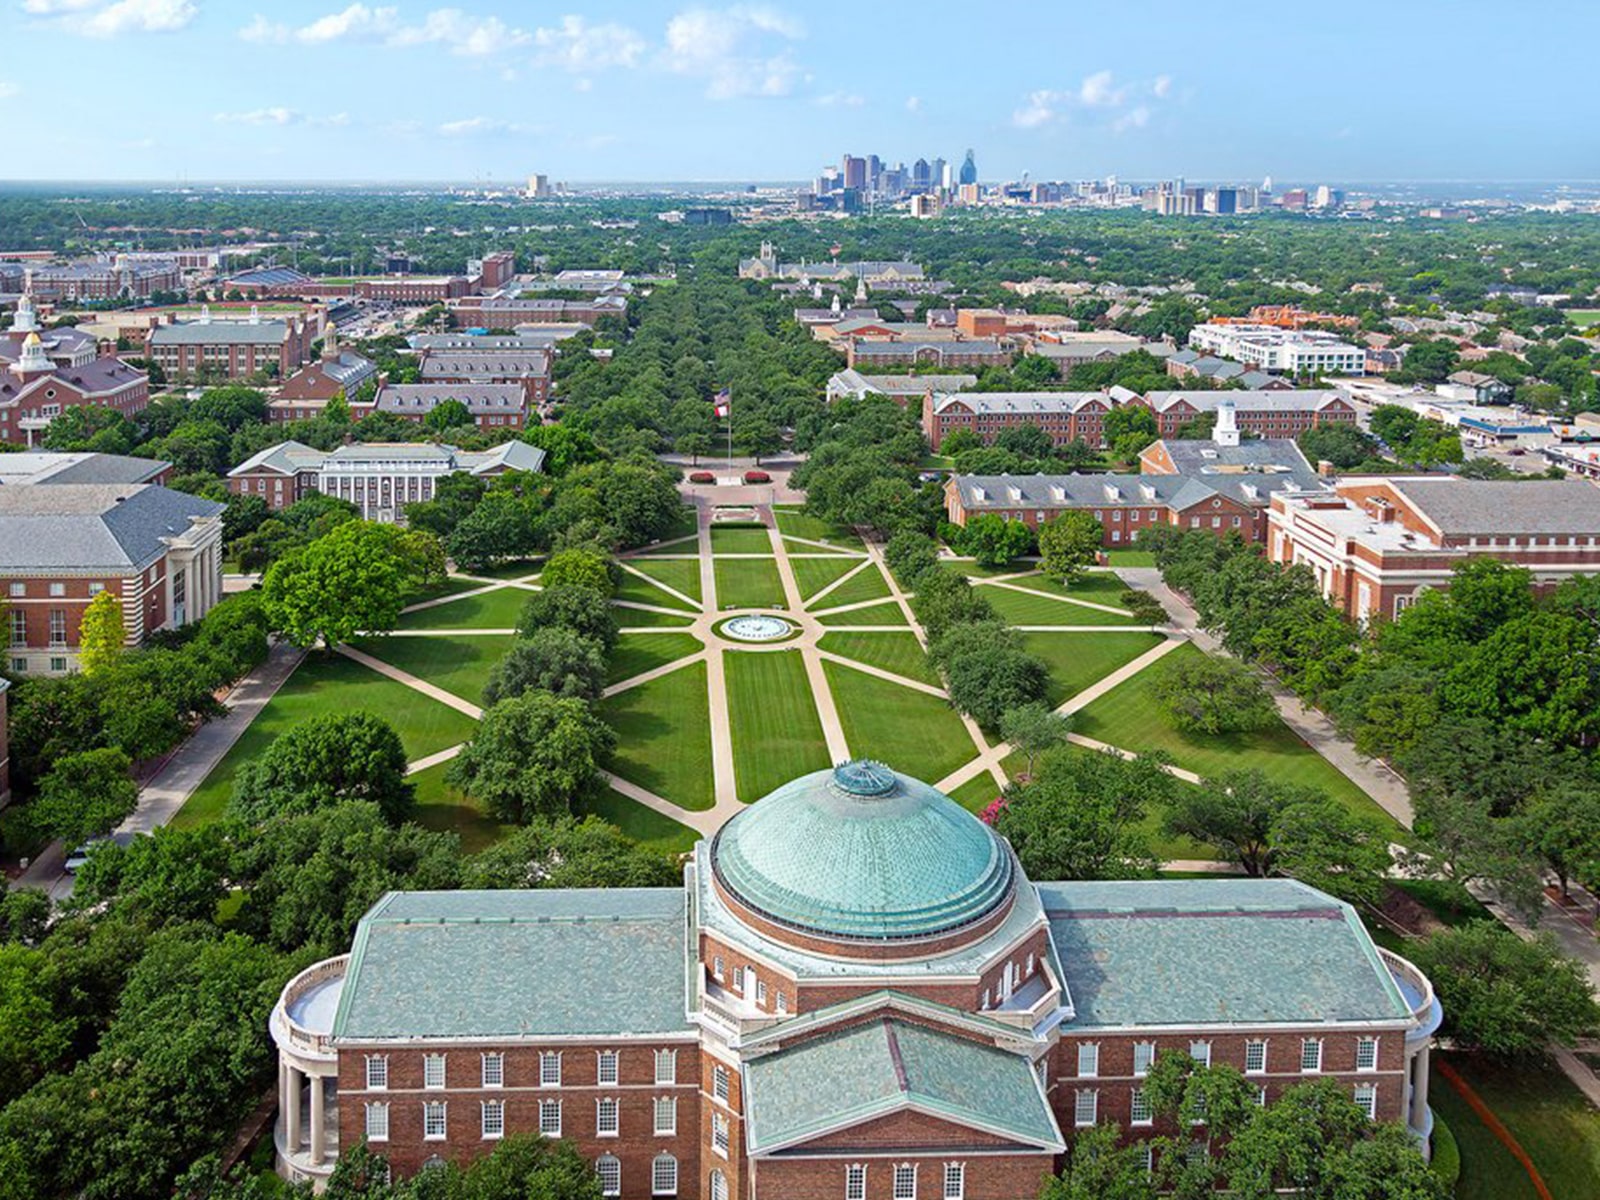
1325	469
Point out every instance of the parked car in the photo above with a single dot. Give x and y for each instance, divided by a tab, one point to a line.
80	855
757	477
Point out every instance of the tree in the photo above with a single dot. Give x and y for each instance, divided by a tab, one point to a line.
563	853
1213	695
554	659
1129	429
1562	827
533	755
447	414
1069	545
1344	446
959	441
944	600
322	761
351	580
987	671
1027	440
500	526
1099	1167
1033	729
168	877
694	445
757	437
564	447
582	610
1504	995
85	794
994	541
101	633
578	568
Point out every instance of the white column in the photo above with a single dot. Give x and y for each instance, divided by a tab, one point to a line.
289	1101
318	1099
1418	1117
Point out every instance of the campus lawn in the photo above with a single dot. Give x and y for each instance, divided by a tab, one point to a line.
636	653
865	585
664	736
444	809
977	793
643	825
681	544
1130	558
772	716
642	591
512	568
971	569
642	618
794	523
1583	317
896	652
679	574
1019	608
1096	587
811	575
321	685
1128	717
460	665
887	613
687	523
1079	659
912	731
497	609
453	586
749	583
740	541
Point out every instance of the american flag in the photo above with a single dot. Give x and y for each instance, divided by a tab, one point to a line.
722	401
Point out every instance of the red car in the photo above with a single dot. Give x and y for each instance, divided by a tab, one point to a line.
757	477
702	477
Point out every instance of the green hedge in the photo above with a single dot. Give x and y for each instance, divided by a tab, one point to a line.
1446	1160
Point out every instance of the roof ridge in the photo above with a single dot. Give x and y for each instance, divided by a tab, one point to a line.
895	1057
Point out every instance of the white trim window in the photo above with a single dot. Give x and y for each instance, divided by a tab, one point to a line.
550	1118
955	1181
1310	1056
716	967
719	1082
433	1070
664	1176
1255	1056
1200	1052
550	1068
1367	1054
609	1168
719	1134
666	1066
378	1121
738	979
1085	1107
494	1070
1144	1053
494	1118
905	1181
666	1116
1088	1060
607	1116
1139	1110
434	1124
719	1186
1261	1096
377	1072
1366	1098
855	1182
605	1068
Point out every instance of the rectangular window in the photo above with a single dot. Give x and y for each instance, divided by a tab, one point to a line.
610	1171
550	1069
1085	1106
1088	1060
494	1070
58	627
1310	1056
433	1123
1261	1096
761	991
377	1072
58	589
1367	1054
19	627
855	1182
1200	1052
738	979
664	1176
716	967
494	1118
1144	1053
377	1122
433	1070
606	1067
605	1117
783	1003
1366	1096
18	589
1139	1108
1255	1057
955	1181
550	1118
719	1134
905	1182
666	1066
666	1122
719	1082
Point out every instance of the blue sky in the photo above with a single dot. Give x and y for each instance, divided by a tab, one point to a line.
323	89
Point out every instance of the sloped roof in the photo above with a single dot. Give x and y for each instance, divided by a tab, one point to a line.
842	1079
40	467
220	333
89	527
1291	400
1505	506
1019	402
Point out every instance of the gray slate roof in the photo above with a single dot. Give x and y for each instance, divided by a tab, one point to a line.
1019	402
1182	953
1463	507
1270	455
1290	400
39	467
418	398
485	364
91	527
506	964
220	333
1181	492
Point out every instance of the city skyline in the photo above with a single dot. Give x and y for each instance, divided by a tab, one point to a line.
629	92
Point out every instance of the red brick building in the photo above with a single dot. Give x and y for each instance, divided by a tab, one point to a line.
494	407
1065	416
1267	413
790	1024
528	368
225	349
44	372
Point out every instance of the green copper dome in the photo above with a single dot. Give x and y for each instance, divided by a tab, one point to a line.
861	851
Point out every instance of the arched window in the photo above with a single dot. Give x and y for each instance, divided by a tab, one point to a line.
719	1186
609	1168
664	1176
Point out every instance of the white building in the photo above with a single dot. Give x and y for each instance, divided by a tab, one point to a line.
1291	351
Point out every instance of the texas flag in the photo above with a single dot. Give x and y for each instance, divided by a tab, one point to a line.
722	401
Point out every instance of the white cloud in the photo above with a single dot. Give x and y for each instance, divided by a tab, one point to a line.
732	50
8	89
841	100
913	104
574	43
100	19
278	115
480	126
1135	118
264	31
355	23
1162	87
1041	107
463	33
1125	105
1098	91
578	46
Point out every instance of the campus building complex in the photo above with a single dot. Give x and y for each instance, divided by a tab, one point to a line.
1287	351
211	349
856	993
44	372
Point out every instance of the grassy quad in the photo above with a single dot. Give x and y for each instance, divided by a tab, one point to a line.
811	575
740	540
796	524
636	653
444	809
643	825
868	584
912	731
1078	660
772	719
460	665
886	613
664	736
749	583
643	591
643	618
1096	588
498	608
1020	608
679	574
898	653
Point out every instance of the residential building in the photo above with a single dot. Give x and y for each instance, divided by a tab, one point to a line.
339	372
1475	387
379	478
493	271
783	1025
1065	416
1375	544
1265	412
902	389
499	312
1288	351
62	544
209	349
118	278
44	372
493	406
927	352
5	746
1068	348
767	266
528	368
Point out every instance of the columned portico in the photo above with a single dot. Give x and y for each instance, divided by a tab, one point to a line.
307	1133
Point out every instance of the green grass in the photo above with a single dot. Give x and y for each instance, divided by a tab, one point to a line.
777	735
498	609
1079	659
642	591
1583	317
1099	588
749	583
460	665
867	585
319	686
811	575
1019	608
636	653
1128	716
639	618
972	570
687	522
1130	558
794	523
740	541
911	731
444	809
512	568
976	794
664	736
683	544
644	825
682	575
887	613
896	652
450	587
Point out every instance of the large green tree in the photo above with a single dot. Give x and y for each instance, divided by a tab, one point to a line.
85	794
322	761
554	659
1069	545
352	579
533	755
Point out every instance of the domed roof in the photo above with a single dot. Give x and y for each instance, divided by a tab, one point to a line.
862	852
